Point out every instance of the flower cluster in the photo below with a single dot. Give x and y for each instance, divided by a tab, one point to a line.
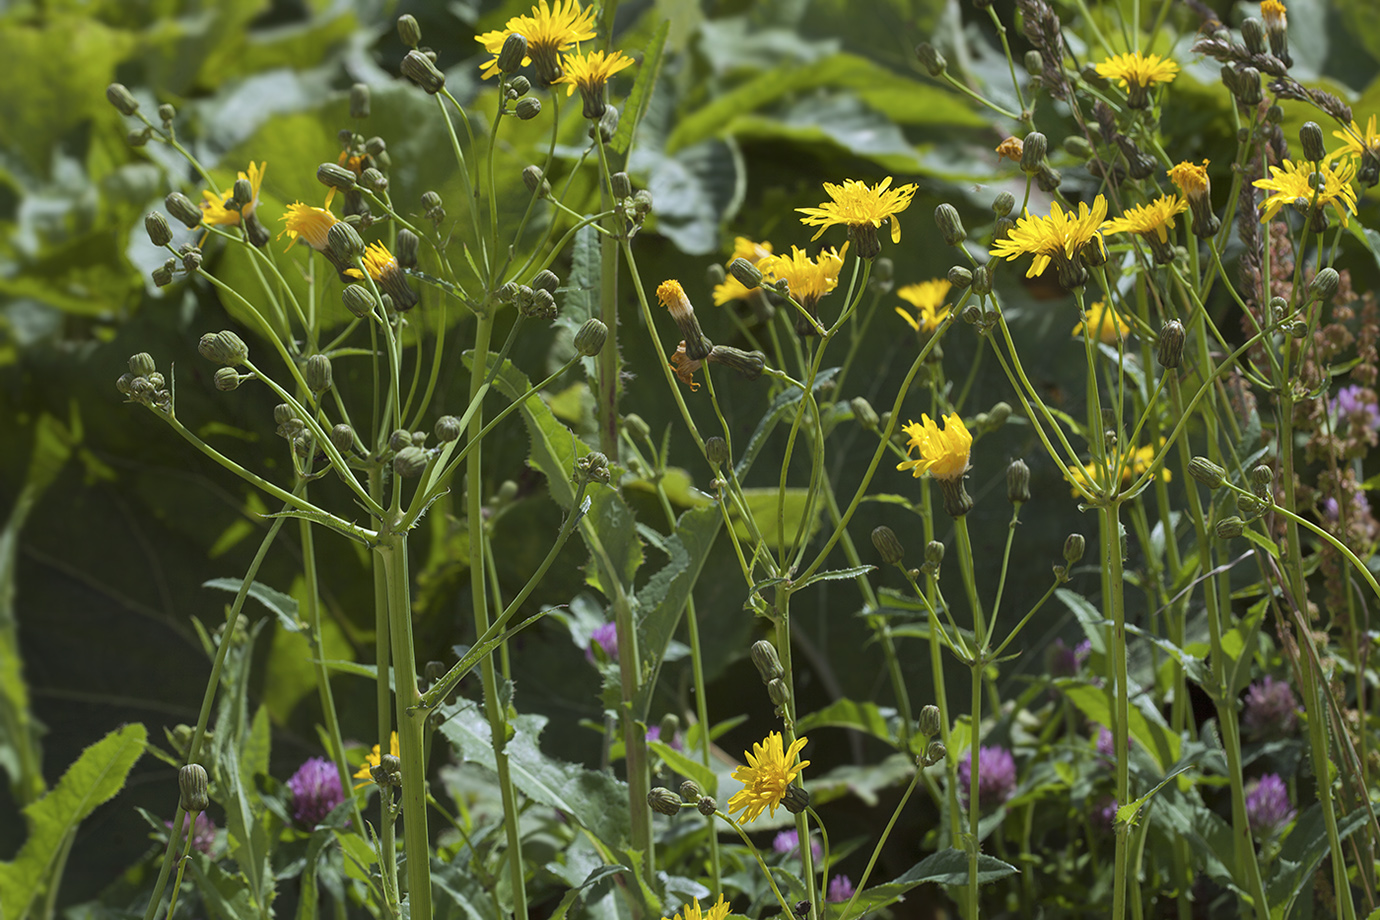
316	791
996	776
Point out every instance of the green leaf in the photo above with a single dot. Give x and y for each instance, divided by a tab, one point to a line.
641	94
281	605
836	575
762	505
846	713
1155	737
580	297
227	896
92	780
947	867
307	897
1089	617
1195	668
1127	813
597	801
1301	853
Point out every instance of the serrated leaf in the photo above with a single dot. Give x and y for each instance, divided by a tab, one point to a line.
835	575
846	713
93	779
281	605
1157	739
1302	851
636	106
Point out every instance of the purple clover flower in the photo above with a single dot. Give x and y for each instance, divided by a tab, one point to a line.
840	889
1267	806
1104	814
1352	403
203	832
607	638
1106	743
996	776
788	842
316	791
1271	711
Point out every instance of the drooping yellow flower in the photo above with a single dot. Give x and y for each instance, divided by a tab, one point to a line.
692	912
1060	237
1107	325
672	297
863	210
549	30
214	207
373	759
1290	183
308	223
589	73
943	451
1152	222
808	280
769	771
928	299
1137	73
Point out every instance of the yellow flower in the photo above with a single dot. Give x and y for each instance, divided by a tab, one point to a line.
750	250
928	300
1133	466
1137	73
753	253
1152	222
718	912
373	759
808	279
550	30
383	267
217	214
769	771
589	73
1358	142
311	224
943	452
1290	183
862	210
1060	236
672	296
731	289
1108	325
1191	180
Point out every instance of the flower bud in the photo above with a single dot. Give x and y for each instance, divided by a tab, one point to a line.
223	348
535	180
1077	145
511	55
1169	350
663	801
884	540
935	752
181	207
589	341
669	726
931	722
1033	62
335	176
746	273
227	379
863	413
1324	285
193	785
931	59
120	97
982	280
317	373
343	437
528	107
125	383
960	277
359	100
1311	139
343	243
139	138
707	806
763	655
1017	482
1033	150
690	791
950	224
1261	477
748	363
419	68
1048	179
410	462
1253	35
142	365
1003	203
388	771
1074	545
163	274
620	185
546	280
409	31
934	552
447	429
1207	472
191	260
400	438
358	300
796	799
520	85
595	466
156	225
1248	87
1229	527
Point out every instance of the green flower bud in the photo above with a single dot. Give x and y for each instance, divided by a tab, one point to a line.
621	185
447	429
1324	285
950	224
167	113
1034	64
1253	34
1003	203
1248	87
934	552
935	752
142	365
139	138
746	273
1169	350
358	299
419	68
594	466
125	382
409	31
520	85
863	413
407	246
982	279
1033	150
181	207
228	379
388	771
410	462
690	790
528	107
511	56
663	801
748	363
343	437
1076	145
343	243
608	124
1207	472
1074	546
546	281
335	176
163	274
123	100
669	726
223	348
359	100
887	545
589	341
763	655
960	277
400	438
716	451
707	806
931	59
317	373
1048	179
156	225
1261	477
1229	527
1311	139
796	799
930	722
535	180
1017	482
193	785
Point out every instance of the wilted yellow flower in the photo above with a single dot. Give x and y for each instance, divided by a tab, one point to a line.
943	451
769	771
1011	148
214	206
373	759
862	210
1107	324
685	366
1137	73
549	30
1060	236
1289	183
928	300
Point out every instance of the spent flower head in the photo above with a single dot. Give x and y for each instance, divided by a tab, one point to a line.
862	209
770	769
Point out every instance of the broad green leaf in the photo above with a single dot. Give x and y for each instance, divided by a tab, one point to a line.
947	867
762	505
696	189
846	713
596	801
636	105
227	896
690	769
96	776
580	296
282	605
1301	853
1089	617
840	121
1194	667
1156	738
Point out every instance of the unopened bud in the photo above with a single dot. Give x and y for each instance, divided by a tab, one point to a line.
1077	145
1262	476
446	429
191	260
410	462
707	806
511	55
420	69
930	722
1003	203
193	785
935	752
1324	285
400	439
156	225
409	31
1207	472
528	107
1033	62
227	379
120	97
181	207
1074	546
223	348
163	274
1169	350
934	552
931	59
960	277
746	273
407	246
716	451
589	341
1229	527
317	373
1017	482
863	413
333	175
595	466
535	180
1033	150
749	364
520	85
343	243
950	224
358	300
1311	139
764	656
690	791
1048	179
663	801
884	540
343	437
796	799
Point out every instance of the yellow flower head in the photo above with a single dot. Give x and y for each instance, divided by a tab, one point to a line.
1153	219
718	912
1358	143
1133	466
1290	183
550	30
1011	149
1137	73
943	452
217	214
589	73
1273	13
672	297
731	289
862	210
928	300
1060	236
373	759
808	279
311	224
769	771
1191	180
1108	326
750	250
